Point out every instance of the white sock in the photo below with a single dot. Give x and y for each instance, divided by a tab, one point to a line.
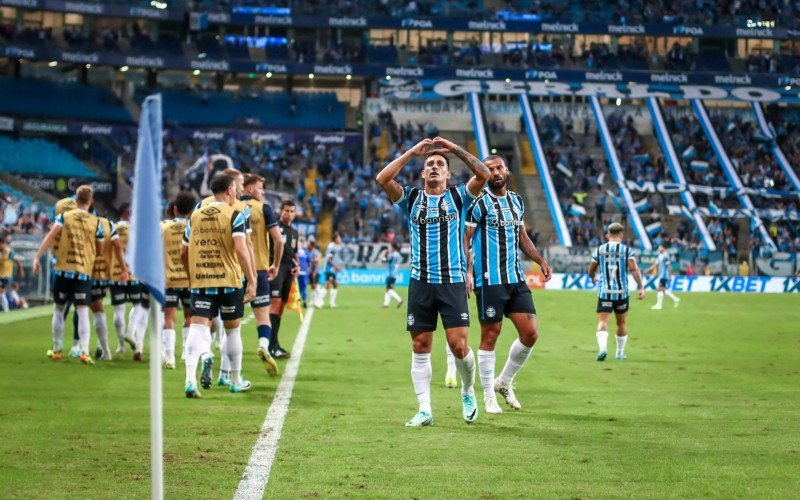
130	332
602	340
466	368
621	343
168	343
518	354
101	327
58	329
386	299
119	323
225	362
185	334
217	329
486	362
421	373
235	348
3	302
672	296
198	343
659	298
84	328
334	293
141	326
396	296
451	360
321	295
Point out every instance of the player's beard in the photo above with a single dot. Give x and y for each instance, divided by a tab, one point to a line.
496	186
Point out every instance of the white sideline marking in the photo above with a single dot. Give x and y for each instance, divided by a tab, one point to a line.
256	474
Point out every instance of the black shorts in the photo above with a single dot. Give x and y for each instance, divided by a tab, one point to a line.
98	290
211	301
128	292
313	277
390	281
496	301
618	306
178	297
426	302
281	285
663	282
72	290
4	282
262	290
330	275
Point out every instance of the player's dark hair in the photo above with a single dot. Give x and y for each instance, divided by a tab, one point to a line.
288	203
220	183
184	202
446	159
124	209
396	246
495	157
615	228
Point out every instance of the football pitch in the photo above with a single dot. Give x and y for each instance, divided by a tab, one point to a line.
707	404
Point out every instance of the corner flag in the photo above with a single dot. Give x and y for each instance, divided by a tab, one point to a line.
295	302
146	248
146	256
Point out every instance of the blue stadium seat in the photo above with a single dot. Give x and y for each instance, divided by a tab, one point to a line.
39	157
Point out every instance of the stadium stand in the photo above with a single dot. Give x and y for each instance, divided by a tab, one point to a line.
39	157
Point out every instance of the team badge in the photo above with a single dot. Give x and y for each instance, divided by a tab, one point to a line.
445	205
490	312
411	320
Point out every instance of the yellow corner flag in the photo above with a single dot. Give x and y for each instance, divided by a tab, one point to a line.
295	302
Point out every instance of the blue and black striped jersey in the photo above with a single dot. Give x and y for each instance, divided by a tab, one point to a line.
435	223
663	265
393	262
612	260
498	221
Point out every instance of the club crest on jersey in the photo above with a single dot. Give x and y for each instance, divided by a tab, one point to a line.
445	205
490	312
411	320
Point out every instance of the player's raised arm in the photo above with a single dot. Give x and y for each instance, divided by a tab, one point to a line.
46	243
529	249
385	177
480	173
469	231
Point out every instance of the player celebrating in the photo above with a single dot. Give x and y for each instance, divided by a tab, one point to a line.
281	285
494	235
392	260
333	264
7	261
265	228
82	241
176	278
614	259
662	263
215	254
101	279
437	286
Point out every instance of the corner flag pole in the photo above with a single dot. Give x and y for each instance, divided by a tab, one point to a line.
146	255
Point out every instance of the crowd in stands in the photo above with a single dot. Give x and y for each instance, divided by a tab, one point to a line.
20	215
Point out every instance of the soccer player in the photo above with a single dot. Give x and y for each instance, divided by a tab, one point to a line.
82	241
333	264
7	261
494	236
215	255
101	279
313	271
217	327
288	268
662	263
176	277
392	260
131	291
438	281
264	225
303	258
614	259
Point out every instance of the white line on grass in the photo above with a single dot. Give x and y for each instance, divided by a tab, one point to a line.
256	474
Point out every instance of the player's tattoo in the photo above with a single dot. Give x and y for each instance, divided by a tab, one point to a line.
475	165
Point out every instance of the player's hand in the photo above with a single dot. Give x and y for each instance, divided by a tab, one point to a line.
546	271
640	295
21	273
421	148
442	143
250	292
470	283
124	276
295	271
272	271
594	280
37	267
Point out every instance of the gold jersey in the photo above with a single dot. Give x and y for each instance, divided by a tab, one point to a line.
174	271
259	234
212	259
103	262
63	205
6	262
123	229
79	232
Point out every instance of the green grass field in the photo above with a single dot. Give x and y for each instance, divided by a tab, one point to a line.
706	405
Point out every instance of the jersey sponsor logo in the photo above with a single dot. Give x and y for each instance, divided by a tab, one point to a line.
434	220
490	312
606	303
